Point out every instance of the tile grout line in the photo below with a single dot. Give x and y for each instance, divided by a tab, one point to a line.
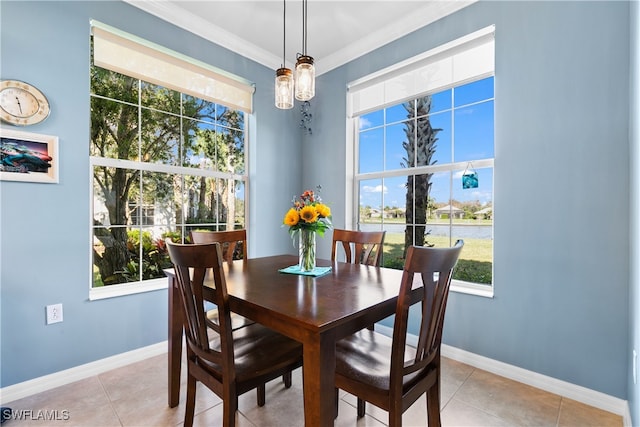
246	417
473	369
109	399
559	411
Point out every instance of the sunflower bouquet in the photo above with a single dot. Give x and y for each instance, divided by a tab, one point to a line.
306	217
308	213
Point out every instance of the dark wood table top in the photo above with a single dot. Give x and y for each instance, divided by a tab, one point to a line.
257	289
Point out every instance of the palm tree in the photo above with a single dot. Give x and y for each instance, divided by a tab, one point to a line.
420	146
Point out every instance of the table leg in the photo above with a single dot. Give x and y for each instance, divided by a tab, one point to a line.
319	355
175	343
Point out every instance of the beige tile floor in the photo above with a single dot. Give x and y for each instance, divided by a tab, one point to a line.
136	395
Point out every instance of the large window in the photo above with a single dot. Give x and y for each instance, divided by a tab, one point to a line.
410	157
163	163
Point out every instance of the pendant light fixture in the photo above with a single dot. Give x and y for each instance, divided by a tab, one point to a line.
284	76
305	71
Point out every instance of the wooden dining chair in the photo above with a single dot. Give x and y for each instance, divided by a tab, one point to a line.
234	245
228	362
360	247
386	371
233	242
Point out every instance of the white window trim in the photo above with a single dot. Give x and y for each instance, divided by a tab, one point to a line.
472	288
123	289
168	169
406	71
205	82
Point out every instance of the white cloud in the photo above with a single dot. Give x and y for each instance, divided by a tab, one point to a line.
364	123
376	189
483	196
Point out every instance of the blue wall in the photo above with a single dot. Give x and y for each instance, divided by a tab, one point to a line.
634	139
45	228
561	235
561	184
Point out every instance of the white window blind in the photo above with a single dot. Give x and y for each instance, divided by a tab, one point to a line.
452	64
127	54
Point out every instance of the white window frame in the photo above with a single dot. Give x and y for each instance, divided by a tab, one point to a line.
231	91
158	283
402	82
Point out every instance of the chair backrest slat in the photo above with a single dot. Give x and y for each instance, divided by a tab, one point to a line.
360	247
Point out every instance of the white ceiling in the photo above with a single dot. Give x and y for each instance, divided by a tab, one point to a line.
337	31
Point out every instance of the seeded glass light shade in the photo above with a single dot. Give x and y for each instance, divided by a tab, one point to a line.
284	88
305	78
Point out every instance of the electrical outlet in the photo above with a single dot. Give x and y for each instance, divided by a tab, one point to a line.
54	313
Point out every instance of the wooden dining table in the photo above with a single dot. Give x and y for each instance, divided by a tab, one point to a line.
316	311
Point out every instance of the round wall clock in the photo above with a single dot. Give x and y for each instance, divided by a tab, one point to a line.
22	104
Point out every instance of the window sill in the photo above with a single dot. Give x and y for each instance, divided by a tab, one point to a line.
112	291
161	283
472	288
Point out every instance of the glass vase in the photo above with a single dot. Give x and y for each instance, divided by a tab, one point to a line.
307	250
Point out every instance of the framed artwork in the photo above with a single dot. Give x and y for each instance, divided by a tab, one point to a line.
28	157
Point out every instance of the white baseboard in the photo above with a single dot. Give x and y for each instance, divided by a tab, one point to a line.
543	382
626	418
572	391
57	379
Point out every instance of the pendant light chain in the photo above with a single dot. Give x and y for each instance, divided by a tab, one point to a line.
284	31
285	86
305	70
304	27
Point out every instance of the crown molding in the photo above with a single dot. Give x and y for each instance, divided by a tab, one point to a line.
200	27
423	16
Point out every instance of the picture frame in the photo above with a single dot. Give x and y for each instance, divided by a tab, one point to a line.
28	157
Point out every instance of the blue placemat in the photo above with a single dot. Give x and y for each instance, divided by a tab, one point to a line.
295	269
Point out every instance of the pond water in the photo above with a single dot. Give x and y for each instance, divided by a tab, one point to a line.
466	231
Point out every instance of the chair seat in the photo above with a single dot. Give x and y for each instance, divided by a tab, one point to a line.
258	350
237	321
365	357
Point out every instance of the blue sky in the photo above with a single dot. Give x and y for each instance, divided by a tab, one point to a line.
467	134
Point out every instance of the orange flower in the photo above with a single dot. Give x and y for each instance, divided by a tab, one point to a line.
291	218
308	196
309	214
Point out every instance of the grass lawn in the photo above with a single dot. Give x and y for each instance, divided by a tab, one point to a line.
474	264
